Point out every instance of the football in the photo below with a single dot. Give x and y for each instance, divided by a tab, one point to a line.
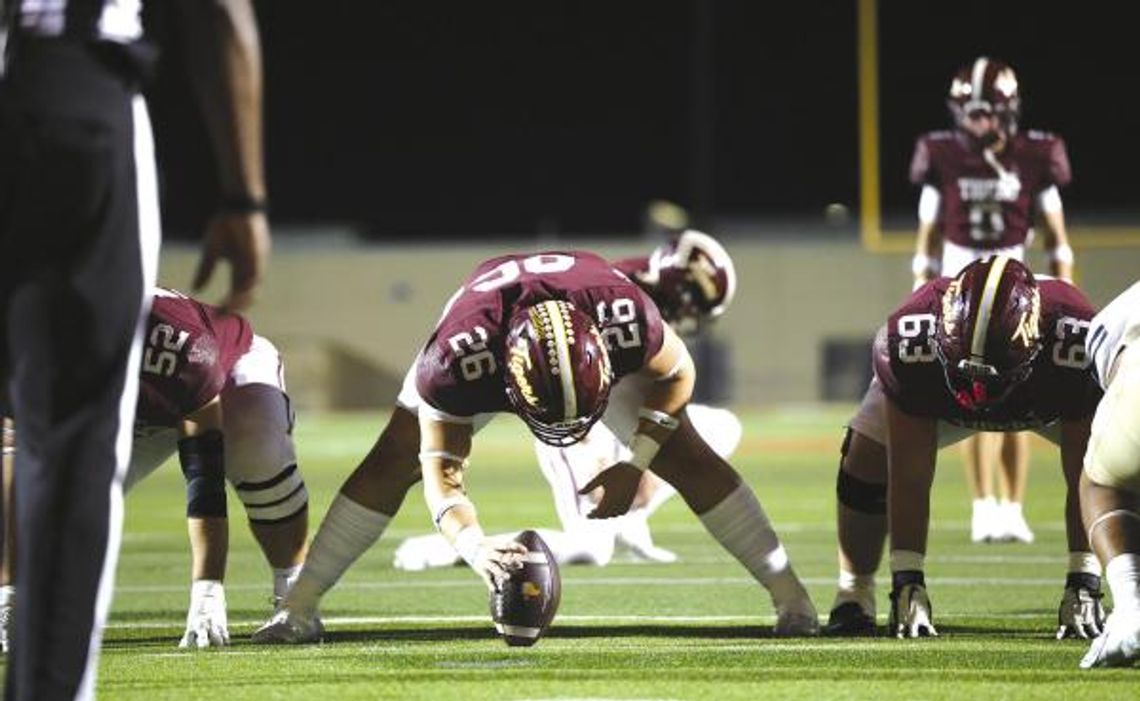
524	607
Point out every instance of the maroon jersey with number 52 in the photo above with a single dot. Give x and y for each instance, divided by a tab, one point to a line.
190	349
460	370
984	206
1060	385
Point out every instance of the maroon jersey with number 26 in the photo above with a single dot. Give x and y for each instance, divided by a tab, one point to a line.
460	370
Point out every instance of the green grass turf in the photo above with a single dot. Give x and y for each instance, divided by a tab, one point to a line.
698	629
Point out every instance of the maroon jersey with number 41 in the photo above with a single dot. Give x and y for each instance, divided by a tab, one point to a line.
1060	385
460	370
987	206
190	349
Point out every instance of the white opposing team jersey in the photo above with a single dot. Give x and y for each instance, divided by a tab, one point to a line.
1116	326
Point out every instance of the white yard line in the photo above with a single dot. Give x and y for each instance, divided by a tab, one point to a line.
609	582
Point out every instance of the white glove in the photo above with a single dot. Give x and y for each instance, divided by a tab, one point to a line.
1080	614
493	559
206	622
911	613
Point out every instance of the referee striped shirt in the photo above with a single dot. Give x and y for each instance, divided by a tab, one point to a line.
117	21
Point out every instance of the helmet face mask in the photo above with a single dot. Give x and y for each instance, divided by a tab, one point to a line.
558	373
691	279
988	336
985	100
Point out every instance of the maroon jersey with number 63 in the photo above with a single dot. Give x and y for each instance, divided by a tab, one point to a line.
460	371
984	206
1060	385
188	353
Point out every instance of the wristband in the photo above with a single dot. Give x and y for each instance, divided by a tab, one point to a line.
644	448
665	421
1084	562
467	542
922	264
1062	254
244	204
439	510
444	455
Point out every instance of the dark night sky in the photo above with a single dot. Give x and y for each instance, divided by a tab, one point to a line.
458	119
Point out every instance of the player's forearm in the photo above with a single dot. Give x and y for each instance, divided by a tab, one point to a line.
224	57
1074	441
1057	248
912	443
209	547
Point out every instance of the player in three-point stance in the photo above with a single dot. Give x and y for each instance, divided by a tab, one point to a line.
213	392
985	187
1110	485
544	336
692	280
991	349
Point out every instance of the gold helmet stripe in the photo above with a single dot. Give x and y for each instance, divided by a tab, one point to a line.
559	324
986	308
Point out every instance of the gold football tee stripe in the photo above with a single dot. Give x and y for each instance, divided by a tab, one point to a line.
558	324
986	308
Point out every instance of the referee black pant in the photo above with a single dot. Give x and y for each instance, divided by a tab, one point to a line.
78	252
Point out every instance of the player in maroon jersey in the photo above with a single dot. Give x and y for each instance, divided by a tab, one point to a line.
990	349
986	187
213	392
692	280
543	336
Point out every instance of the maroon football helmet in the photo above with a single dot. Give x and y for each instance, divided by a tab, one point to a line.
691	279
989	332
557	371
988	86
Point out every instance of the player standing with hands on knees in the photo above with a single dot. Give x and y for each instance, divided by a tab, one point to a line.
985	186
79	231
543	336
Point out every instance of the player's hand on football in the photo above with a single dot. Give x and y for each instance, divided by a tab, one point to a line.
911	613
242	238
496	559
619	485
206	622
1080	614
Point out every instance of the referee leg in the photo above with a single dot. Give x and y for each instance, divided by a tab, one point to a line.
84	224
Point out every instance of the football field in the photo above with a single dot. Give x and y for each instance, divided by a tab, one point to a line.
697	629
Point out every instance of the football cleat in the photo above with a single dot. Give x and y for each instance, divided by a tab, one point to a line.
1118	645
290	628
849	620
1013	526
7	601
634	534
911	612
1080	614
797	621
523	607
985	525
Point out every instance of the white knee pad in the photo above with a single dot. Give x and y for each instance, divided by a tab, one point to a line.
260	460
1113	455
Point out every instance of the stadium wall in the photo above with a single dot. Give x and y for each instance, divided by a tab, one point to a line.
350	319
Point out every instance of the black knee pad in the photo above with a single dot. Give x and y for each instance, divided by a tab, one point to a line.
857	495
203	465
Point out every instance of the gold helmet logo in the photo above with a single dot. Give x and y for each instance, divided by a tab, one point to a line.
1029	326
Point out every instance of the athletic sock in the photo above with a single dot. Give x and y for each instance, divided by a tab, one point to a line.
859	588
283	578
1123	574
348	530
740	525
